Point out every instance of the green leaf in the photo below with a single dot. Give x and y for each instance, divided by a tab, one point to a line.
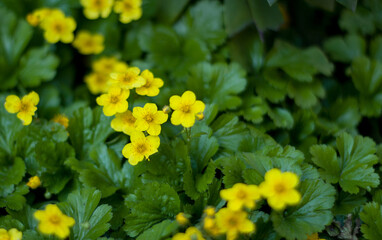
367	78
354	168
351	4
271	2
345	49
360	22
16	199
310	215
150	204
204	21
159	231
232	168
346	202
264	15
306	95
325	157
36	66
371	216
237	16
219	83
281	117
376	48
169	10
88	128
82	205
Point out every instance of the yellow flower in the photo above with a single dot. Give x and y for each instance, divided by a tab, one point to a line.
12	234
37	16
128	79
88	43
94	9
105	65
233	222
314	236
199	116
141	147
129	9
34	182
97	82
149	119
53	221
151	88
61	119
25	108
57	27
124	122
185	109
192	233
114	101
181	218
209	211
210	226
279	189
241	195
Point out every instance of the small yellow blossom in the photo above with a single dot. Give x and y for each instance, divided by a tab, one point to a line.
97	82
241	195
11	234
61	119
114	101
34	182
94	9
192	233
105	65
209	211
210	226
25	108
279	189
57	27
185	109
233	222
129	9
181	218
36	17
199	116
127	79
53	221
141	147
149	119
151	88
88	43
124	122
314	236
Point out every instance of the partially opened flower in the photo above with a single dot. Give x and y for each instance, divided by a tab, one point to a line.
61	119
25	107
192	233
34	182
88	43
129	10
127	79
11	234
124	122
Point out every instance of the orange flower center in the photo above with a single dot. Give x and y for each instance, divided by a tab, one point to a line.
241	194
24	107
98	3
149	118
280	188
127	5
232	222
58	27
55	219
128	78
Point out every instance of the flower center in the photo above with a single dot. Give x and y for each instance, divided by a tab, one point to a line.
130	120
128	78
89	43
241	194
141	148
186	108
114	99
100	80
149	118
97	3
127	6
232	222
55	219
58	27
24	107
279	188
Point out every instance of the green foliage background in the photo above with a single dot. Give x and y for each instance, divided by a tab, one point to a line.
295	85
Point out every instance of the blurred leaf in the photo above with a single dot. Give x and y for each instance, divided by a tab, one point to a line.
236	16
264	15
360	22
351	4
371	216
159	231
281	117
345	49
169	10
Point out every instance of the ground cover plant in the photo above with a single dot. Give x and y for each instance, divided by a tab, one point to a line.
190	120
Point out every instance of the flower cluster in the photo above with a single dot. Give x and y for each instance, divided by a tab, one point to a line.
57	27
24	107
53	221
11	234
233	220
129	10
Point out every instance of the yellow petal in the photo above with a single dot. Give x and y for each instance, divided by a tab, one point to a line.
198	107
127	150
188	120
25	118
154	129
31	97
177	117
12	104
160	117
175	102
151	108
290	179
188	98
